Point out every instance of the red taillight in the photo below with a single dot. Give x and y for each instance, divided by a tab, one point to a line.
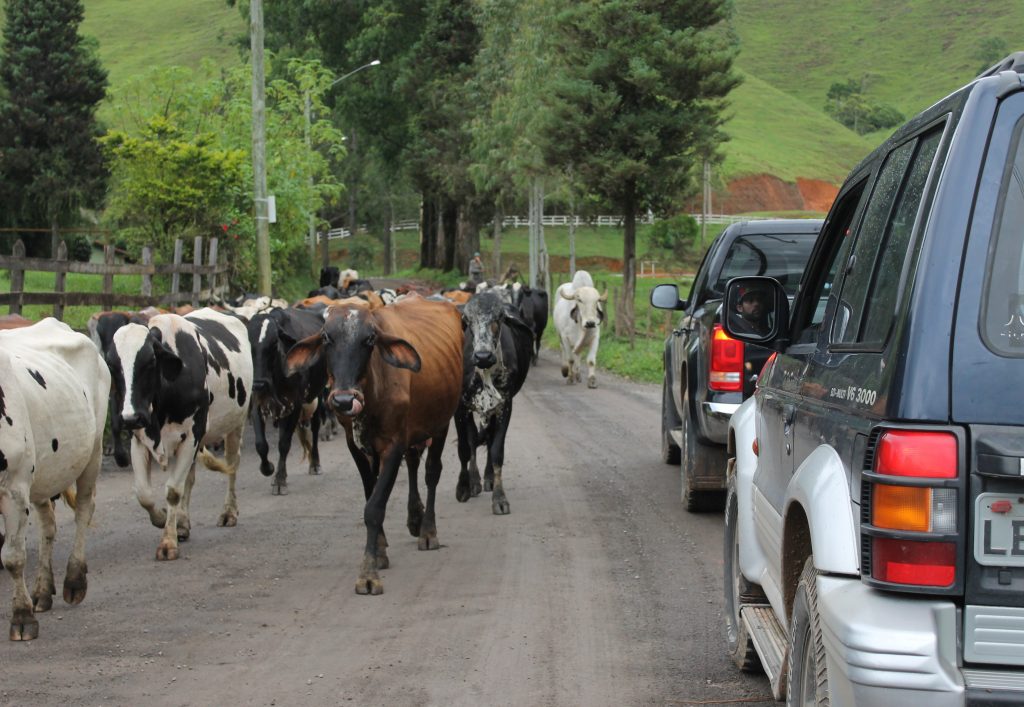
917	453
726	370
928	564
911	492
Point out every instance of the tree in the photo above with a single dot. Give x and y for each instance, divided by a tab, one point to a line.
642	93
847	103
50	160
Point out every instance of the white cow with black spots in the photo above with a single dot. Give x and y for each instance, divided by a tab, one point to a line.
186	382
54	389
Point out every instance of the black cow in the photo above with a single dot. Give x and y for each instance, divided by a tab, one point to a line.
496	358
329	276
534	308
288	400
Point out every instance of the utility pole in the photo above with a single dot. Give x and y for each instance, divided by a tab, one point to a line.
259	147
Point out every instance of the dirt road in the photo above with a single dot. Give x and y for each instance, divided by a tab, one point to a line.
598	589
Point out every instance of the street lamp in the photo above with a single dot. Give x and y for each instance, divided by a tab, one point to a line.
324	251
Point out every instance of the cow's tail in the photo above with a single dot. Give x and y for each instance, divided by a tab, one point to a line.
213	462
70	497
305	440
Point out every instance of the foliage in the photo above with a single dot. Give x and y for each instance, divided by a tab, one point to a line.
52	84
182	168
847	104
676	235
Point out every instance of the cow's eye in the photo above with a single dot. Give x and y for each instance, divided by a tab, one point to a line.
495	326
371	340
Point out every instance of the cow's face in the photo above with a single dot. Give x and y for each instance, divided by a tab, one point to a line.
482	318
269	347
139	361
347	342
588	306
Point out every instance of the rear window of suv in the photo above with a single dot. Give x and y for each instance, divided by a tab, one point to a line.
1003	308
779	255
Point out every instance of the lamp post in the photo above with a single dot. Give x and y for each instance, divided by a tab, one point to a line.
325	257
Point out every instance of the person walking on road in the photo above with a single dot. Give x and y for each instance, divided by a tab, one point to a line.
476	269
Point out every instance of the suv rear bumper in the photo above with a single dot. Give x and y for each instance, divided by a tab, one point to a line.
890	650
716	420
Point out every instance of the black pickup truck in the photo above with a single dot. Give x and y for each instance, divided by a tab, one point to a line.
707	372
874	538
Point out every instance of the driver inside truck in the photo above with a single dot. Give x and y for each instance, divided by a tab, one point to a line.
751	314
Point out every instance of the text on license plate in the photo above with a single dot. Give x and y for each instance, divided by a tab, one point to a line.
999	529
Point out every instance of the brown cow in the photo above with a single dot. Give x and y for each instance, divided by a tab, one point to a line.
395	375
14	321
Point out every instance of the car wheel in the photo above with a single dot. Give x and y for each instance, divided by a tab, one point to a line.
807	679
696	456
669	420
738	592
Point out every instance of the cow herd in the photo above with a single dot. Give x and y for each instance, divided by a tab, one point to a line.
393	368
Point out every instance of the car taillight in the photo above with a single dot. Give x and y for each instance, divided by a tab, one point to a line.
911	517
726	367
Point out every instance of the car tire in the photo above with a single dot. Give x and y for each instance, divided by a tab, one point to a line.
807	675
738	592
669	420
695	455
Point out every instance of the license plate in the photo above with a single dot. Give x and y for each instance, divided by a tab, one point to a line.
999	530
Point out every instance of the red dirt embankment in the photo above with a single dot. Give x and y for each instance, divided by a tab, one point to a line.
765	192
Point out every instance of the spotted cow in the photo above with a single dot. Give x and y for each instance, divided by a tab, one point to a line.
186	383
54	389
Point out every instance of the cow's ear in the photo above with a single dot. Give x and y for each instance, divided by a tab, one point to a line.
397	352
169	362
575	314
304	354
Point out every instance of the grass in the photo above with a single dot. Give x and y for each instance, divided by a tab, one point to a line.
75	317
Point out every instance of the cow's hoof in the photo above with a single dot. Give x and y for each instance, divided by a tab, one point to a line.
266	468
42	602
108	450
166	551
279	488
383	561
475	488
429	542
488	484
24	626
369	585
565	371
227	519
122	459
184	531
74	590
500	506
158	518
462	494
591	382
314	470
579	376
415	520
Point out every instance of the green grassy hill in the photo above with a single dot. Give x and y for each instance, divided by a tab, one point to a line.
912	52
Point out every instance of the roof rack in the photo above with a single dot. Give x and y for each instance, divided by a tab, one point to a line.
1014	62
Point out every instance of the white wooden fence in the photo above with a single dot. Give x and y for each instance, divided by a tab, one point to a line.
552	220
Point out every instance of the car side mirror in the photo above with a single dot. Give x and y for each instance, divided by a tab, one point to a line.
756	310
666	297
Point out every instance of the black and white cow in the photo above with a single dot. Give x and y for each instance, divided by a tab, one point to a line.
54	390
496	358
102	326
186	383
288	400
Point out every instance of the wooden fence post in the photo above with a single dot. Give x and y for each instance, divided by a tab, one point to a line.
176	275
147	278
197	279
18	278
108	278
60	281
212	260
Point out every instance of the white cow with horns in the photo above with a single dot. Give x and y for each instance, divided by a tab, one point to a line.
579	311
54	389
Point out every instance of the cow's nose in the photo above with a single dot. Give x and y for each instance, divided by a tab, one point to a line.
345	403
260	386
134	421
590	324
484	359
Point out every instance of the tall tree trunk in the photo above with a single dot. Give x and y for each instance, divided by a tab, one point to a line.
496	247
428	231
625	314
469	241
450	217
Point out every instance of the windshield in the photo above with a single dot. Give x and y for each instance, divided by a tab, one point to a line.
779	255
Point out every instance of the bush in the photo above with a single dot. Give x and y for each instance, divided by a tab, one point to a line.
79	248
674	235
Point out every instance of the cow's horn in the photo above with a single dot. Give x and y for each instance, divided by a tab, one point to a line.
604	296
561	293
